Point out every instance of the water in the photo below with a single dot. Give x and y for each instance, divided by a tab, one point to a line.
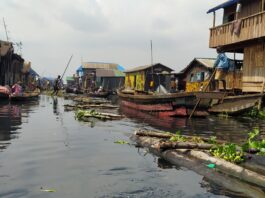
41	146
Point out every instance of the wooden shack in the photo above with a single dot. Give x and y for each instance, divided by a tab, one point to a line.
243	31
139	78
196	75
95	74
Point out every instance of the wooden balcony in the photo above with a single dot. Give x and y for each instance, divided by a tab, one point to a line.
252	27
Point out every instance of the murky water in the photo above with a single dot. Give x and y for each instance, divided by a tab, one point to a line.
42	146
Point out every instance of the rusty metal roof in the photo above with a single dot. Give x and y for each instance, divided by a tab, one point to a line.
141	68
99	65
109	73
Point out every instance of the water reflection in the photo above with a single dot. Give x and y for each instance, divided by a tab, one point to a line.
11	118
229	129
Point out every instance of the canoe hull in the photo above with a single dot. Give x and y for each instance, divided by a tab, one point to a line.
166	105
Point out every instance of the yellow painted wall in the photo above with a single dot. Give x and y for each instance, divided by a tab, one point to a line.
195	86
140	81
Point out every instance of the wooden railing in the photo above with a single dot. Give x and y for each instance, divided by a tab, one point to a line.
252	27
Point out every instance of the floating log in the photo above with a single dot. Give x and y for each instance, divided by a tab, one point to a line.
226	167
90	106
169	135
184	145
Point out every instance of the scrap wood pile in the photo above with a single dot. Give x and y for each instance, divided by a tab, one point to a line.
243	162
70	107
85	115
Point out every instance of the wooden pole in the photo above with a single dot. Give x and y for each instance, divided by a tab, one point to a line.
205	88
262	6
214	18
67	66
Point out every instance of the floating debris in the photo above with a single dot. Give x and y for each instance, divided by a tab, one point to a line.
121	142
47	190
69	107
82	115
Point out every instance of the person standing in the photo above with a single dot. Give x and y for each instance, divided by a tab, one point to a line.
56	86
222	66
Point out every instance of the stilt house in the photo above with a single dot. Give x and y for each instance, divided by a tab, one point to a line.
11	64
243	31
95	74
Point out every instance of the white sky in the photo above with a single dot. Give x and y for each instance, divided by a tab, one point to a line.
117	31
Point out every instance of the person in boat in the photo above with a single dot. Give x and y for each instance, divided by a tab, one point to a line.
17	89
56	86
222	66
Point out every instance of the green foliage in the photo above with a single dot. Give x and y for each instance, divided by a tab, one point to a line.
255	113
213	140
227	152
178	137
121	142
197	140
253	143
81	114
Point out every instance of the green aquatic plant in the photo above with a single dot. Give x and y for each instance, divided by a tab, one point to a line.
255	113
178	137
253	144
197	139
121	142
213	140
228	152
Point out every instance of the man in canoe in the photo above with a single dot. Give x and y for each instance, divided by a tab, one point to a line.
222	66
56	86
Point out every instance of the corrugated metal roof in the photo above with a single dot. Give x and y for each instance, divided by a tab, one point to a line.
98	65
141	68
69	78
207	62
223	5
109	73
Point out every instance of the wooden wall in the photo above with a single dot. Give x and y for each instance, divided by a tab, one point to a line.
249	8
254	68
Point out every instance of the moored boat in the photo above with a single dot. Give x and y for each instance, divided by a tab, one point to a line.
26	96
172	104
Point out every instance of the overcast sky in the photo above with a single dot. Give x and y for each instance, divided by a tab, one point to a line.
117	31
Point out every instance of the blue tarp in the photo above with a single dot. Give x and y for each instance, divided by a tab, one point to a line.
120	68
223	5
33	73
79	69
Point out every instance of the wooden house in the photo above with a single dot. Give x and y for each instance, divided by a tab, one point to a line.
95	74
196	75
243	31
139	78
11	64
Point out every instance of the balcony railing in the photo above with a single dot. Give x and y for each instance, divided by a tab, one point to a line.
252	27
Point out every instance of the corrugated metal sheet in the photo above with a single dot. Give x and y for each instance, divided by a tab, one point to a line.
98	65
109	73
69	78
207	62
223	5
141	68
